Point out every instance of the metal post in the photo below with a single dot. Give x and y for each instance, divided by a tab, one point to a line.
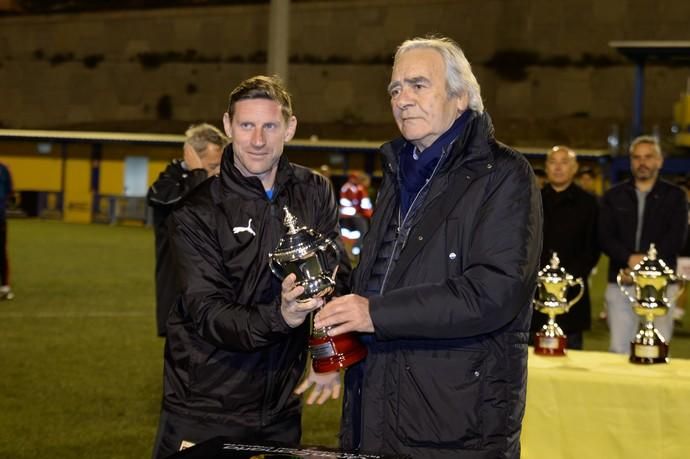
278	37
638	98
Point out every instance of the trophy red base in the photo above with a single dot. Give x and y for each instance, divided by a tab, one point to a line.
331	353
545	344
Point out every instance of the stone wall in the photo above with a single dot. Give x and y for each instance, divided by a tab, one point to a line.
546	70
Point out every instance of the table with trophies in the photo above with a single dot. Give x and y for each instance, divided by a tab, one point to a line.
598	404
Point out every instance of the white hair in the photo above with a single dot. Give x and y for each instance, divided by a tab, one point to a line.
459	76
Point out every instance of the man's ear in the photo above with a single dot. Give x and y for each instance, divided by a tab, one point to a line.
291	128
227	125
463	101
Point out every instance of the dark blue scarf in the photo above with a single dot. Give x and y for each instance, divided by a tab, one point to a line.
415	172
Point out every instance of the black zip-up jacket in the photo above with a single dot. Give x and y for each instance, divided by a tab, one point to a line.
665	223
570	229
230	357
446	372
173	184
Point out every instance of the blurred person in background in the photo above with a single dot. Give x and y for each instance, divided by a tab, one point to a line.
326	171
641	211
6	197
684	263
444	287
355	211
203	147
586	179
570	229
236	343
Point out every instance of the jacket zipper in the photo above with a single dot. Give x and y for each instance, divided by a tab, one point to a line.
402	223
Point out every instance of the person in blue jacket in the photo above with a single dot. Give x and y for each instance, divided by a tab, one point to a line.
6	191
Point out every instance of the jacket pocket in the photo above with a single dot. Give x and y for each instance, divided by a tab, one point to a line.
439	398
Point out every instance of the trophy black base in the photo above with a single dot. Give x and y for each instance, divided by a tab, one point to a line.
648	354
331	353
553	346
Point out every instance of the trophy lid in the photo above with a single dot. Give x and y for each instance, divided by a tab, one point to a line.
298	243
651	265
554	272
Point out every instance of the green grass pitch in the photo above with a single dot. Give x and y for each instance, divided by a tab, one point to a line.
81	365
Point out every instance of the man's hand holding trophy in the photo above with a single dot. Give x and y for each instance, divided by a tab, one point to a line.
313	260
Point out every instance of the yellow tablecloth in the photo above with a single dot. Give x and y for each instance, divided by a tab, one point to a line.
598	405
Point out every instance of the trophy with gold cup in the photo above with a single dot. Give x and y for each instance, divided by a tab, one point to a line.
553	285
650	278
314	260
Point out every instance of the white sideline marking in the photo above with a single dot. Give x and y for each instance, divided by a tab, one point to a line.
61	315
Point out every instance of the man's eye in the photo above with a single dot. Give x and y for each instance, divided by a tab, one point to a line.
245	125
394	92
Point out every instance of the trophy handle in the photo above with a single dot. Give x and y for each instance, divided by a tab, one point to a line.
272	264
334	247
683	281
539	303
619	277
579	282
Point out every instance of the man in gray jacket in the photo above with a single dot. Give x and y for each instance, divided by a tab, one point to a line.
443	292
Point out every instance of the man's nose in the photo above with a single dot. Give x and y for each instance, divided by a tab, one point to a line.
258	137
405	98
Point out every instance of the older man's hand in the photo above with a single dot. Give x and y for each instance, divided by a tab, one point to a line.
349	313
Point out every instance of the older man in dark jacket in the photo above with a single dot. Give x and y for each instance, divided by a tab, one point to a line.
448	271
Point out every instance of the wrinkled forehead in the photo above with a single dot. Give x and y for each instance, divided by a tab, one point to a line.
418	63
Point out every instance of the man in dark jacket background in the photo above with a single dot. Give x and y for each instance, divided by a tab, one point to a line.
634	214
203	148
6	191
237	338
570	229
443	292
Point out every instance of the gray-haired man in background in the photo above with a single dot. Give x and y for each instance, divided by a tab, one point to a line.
203	148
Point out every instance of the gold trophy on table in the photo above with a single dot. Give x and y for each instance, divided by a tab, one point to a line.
553	284
651	277
314	260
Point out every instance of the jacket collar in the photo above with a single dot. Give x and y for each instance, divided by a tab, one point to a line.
569	192
656	188
473	146
232	180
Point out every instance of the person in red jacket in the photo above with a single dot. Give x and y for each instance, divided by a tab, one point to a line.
355	212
